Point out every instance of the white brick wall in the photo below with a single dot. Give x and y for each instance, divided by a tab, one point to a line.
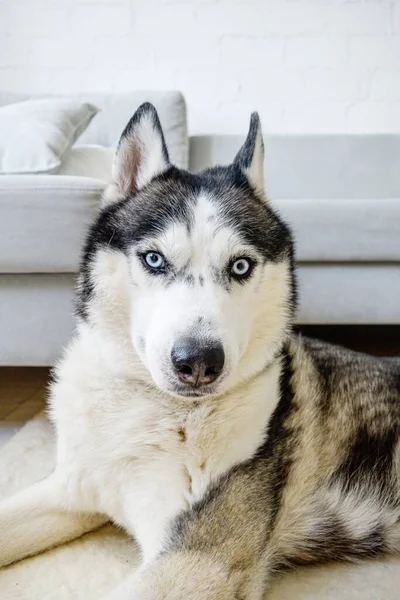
306	65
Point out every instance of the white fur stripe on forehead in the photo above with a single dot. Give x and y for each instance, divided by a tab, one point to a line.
141	153
250	157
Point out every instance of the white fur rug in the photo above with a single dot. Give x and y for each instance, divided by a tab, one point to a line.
90	566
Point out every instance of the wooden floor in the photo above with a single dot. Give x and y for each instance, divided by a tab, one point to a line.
23	390
22	395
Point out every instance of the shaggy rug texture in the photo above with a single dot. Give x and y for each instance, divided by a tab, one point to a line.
87	568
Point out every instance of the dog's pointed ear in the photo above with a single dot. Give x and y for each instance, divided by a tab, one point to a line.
250	157
141	154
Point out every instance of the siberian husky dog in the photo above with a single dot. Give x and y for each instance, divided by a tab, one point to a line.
186	409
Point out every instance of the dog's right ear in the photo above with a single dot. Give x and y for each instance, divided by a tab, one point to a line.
250	157
141	154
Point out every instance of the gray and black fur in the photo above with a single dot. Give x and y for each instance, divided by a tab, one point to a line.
325	484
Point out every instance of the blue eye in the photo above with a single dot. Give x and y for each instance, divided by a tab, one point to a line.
241	267
154	260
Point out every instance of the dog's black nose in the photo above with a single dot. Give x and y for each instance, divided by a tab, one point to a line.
198	362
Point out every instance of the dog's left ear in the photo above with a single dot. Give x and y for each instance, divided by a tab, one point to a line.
250	157
141	154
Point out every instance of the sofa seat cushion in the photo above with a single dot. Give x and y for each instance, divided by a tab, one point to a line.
338	230
44	220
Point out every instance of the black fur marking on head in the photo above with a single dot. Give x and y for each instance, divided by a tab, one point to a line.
220	278
188	278
138	216
240	208
104	233
171	198
245	155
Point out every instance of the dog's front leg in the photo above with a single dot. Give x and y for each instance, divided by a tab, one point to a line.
185	576
203	570
36	519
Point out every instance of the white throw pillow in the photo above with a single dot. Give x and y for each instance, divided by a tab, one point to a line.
89	160
35	134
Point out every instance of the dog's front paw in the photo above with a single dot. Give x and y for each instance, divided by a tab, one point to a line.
186	576
180	577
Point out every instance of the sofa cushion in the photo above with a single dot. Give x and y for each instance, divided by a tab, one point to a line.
88	160
44	220
116	110
344	230
36	134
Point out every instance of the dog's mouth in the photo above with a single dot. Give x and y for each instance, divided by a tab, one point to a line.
192	393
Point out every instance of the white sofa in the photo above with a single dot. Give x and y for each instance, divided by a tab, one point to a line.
340	193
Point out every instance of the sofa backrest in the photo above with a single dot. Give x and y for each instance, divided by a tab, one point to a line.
116	110
315	167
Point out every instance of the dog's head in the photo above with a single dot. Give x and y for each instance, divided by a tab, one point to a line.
197	269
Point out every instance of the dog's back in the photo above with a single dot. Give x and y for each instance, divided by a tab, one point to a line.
348	453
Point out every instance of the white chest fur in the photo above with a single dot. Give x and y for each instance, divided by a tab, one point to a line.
141	457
